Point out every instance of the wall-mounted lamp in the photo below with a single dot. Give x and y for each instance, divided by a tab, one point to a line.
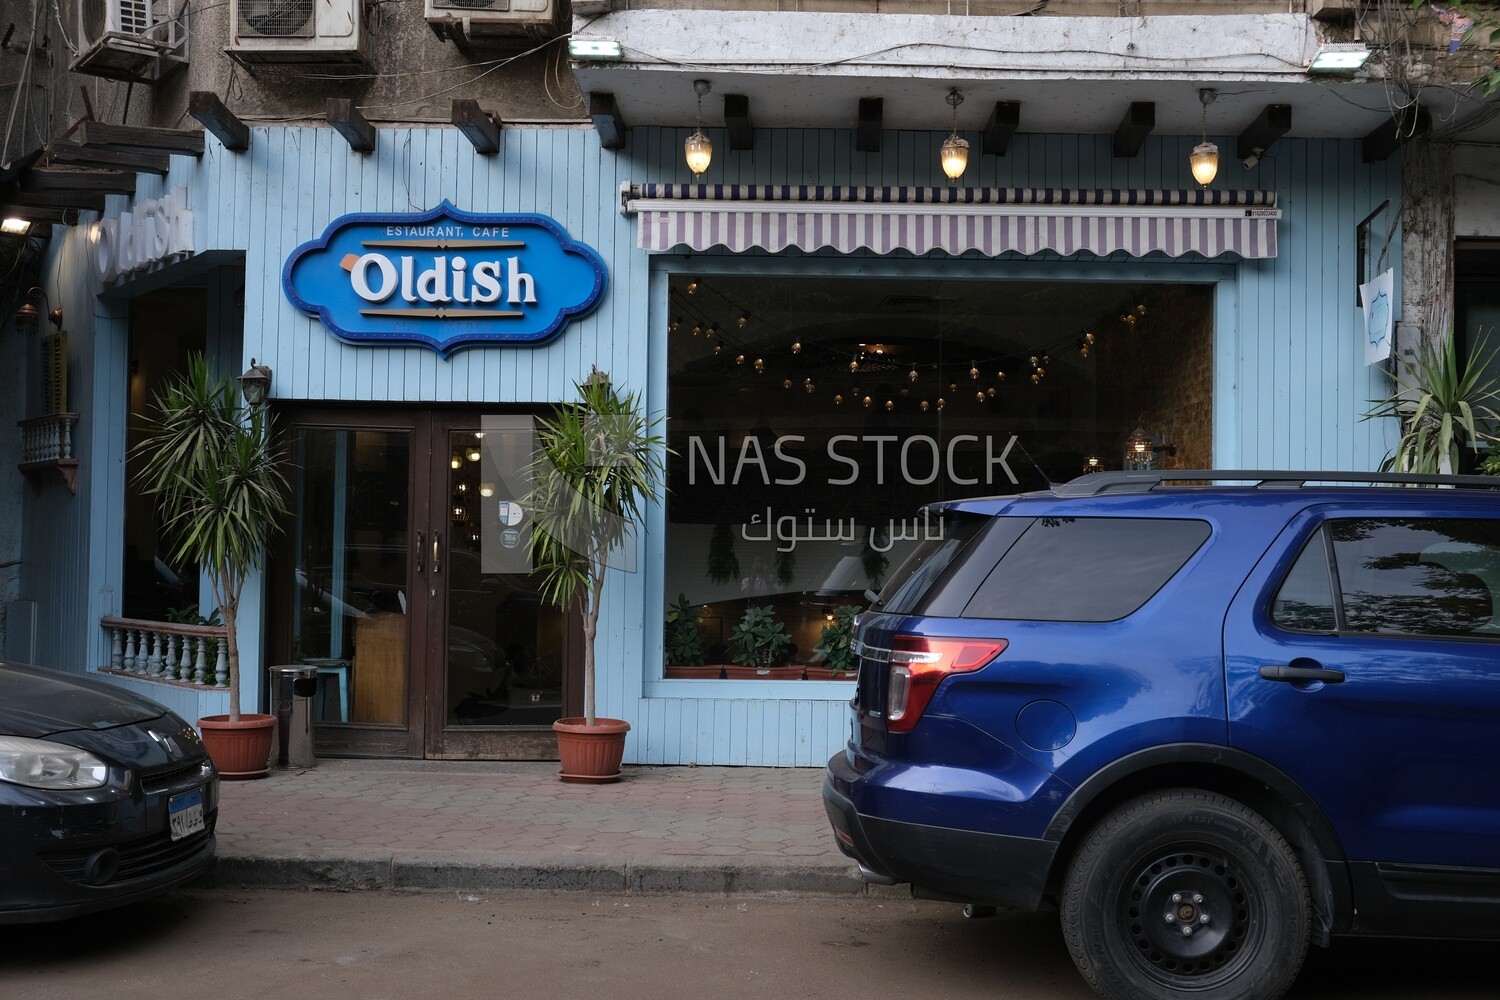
1205	157
255	385
595	50
955	152
28	316
1340	57
12	226
698	150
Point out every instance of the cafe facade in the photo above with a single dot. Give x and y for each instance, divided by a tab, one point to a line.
831	338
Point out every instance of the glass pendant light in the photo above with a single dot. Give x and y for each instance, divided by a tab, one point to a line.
698	150
955	152
1205	157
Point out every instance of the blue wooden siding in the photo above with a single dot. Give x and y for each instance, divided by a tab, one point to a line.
1290	380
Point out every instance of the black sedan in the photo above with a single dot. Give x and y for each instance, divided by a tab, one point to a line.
105	797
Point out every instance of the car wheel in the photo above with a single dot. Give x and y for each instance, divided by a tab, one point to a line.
1186	893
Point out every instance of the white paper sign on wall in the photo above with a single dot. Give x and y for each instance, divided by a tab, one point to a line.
1377	298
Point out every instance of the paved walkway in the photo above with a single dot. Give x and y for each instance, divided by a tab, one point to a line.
350	824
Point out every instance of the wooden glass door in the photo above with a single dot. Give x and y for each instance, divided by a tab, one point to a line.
510	661
402	578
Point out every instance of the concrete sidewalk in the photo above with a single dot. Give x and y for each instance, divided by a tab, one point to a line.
371	824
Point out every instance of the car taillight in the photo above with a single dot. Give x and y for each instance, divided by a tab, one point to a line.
918	666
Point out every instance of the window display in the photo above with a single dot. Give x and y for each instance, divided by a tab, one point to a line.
812	418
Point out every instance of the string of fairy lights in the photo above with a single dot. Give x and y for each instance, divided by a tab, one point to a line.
691	317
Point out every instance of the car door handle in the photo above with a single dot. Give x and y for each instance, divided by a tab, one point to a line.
1286	672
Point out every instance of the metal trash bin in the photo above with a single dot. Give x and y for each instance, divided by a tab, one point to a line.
292	691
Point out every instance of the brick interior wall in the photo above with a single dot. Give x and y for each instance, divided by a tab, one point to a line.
1158	371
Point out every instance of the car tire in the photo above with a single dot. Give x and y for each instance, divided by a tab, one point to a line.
1167	861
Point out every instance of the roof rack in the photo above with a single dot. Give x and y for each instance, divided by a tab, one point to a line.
1095	484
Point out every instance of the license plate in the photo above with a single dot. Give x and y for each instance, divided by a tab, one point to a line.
185	813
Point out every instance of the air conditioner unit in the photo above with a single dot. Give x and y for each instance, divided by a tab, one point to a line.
318	32
135	40
492	23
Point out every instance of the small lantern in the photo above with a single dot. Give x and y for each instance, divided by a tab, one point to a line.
1205	163
255	385
699	152
1139	453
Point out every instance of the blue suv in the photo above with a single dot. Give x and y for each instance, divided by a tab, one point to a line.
1208	724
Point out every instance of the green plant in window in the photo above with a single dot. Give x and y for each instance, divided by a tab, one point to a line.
786	566
836	642
1441	403
1491	465
723	564
760	639
874	561
684	639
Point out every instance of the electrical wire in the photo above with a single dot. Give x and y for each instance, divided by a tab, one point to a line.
20	86
57	16
556	76
1172	61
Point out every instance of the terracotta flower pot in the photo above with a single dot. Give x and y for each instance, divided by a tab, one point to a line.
707	671
738	672
239	749
827	674
590	754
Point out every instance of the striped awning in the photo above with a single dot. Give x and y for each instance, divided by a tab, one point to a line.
919	220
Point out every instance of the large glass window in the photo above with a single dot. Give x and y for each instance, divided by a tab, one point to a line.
811	418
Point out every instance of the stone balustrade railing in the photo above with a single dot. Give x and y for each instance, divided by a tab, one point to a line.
193	654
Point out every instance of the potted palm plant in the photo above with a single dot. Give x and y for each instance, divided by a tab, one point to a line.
598	464
1444	405
209	462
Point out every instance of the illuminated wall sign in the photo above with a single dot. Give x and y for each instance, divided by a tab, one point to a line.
158	228
445	279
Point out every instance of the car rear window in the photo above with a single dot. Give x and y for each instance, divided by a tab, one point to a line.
913	582
1086	569
1418	576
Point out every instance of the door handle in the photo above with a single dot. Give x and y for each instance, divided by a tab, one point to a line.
419	552
437	560
1286	672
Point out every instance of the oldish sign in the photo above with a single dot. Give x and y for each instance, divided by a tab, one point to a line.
445	279
158	229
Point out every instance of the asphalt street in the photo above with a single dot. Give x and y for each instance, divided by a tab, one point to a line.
375	945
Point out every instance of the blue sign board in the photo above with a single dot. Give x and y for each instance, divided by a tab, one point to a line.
445	279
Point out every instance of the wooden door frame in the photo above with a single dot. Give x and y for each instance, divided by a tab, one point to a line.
424	733
444	742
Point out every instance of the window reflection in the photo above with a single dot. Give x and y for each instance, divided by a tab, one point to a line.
1429	576
811	418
